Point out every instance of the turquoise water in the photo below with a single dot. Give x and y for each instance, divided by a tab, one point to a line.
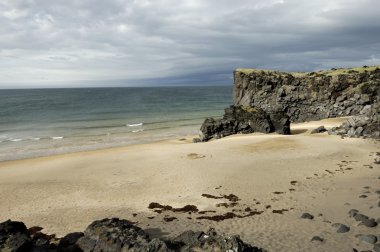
41	122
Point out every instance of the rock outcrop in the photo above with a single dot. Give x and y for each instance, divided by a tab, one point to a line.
112	235
265	101
308	96
366	124
238	119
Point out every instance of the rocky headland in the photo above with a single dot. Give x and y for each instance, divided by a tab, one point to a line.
267	101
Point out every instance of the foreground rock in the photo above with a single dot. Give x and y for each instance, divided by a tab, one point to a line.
114	235
238	119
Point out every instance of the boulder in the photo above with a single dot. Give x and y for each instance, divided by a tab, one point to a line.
366	124
14	236
372	239
320	129
211	241
341	228
307	216
121	235
114	235
238	119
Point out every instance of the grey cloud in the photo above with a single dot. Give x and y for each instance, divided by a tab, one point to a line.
187	41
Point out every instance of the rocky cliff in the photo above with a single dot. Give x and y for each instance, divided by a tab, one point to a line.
308	96
277	97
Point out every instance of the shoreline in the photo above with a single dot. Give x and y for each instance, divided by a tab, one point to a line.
93	151
188	139
319	174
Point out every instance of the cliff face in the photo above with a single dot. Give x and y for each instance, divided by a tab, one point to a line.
308	96
274	99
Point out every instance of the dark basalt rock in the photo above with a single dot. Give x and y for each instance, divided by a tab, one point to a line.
353	212
307	216
68	242
360	217
308	96
14	236
115	235
212	241
315	96
238	119
377	158
366	124
341	228
376	247
372	239
369	222
320	129
317	238
267	101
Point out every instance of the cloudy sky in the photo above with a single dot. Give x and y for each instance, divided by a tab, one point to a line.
140	42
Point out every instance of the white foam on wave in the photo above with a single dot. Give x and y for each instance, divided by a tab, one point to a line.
35	138
15	140
135	131
57	138
135	124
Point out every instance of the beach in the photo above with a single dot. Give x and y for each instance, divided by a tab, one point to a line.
272	178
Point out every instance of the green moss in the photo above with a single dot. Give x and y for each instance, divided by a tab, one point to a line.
335	72
341	71
253	70
250	109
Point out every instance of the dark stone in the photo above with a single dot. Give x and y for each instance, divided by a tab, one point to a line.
211	241
110	235
12	227
113	235
68	242
317	238
341	228
280	122
196	140
17	242
307	216
365	124
353	212
238	119
369	223
377	158
376	247
14	236
360	217
368	238
121	235
320	129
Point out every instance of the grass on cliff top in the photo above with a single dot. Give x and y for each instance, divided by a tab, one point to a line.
335	72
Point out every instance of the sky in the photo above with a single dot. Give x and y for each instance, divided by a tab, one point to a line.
74	43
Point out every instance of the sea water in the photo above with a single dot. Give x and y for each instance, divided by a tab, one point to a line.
42	122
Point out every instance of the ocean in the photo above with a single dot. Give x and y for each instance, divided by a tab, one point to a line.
43	122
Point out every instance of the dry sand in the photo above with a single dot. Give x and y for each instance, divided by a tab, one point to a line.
65	193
